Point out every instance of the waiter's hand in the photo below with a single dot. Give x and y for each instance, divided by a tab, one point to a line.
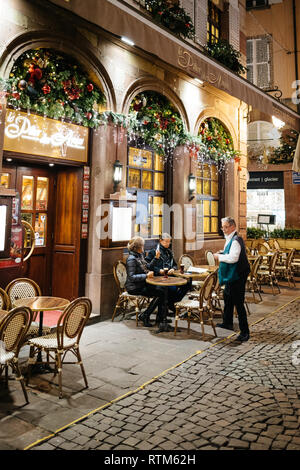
216	256
171	271
150	274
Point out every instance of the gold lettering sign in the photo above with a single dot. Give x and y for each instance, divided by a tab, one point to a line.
35	135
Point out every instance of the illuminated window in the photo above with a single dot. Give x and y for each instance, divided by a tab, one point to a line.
213	23
146	174
208	199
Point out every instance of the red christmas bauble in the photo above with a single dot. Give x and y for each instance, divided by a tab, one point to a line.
90	87
88	115
38	73
46	89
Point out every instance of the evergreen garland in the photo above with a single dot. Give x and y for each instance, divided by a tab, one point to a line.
223	52
286	151
53	85
172	16
218	140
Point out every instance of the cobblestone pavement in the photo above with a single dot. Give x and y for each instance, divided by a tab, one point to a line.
231	396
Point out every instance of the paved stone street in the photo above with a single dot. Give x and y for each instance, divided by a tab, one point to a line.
230	396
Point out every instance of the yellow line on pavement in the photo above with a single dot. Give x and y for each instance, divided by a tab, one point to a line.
141	387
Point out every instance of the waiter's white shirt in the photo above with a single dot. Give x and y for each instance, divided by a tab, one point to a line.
235	250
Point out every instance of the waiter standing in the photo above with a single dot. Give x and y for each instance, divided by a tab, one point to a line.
233	272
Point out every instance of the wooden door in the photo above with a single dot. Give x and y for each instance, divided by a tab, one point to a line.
36	187
67	231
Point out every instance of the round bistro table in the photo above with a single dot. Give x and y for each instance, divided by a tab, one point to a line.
42	304
197	276
165	282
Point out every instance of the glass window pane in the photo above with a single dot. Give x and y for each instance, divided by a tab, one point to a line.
156	226
4	180
206	225
140	158
206	187
134	178
147	180
199	173
214	188
158	163
214	224
215	208
206	208
157	205
199	186
27	239
159	183
42	194
206	171
214	172
40	229
27	193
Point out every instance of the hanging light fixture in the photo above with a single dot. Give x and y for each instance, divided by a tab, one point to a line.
192	186
118	170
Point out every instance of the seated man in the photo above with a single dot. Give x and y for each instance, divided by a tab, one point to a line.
162	257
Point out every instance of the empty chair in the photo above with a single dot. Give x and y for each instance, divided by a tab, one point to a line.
13	330
276	244
286	270
269	274
4	300
210	258
187	261
139	301
23	288
199	309
252	278
66	339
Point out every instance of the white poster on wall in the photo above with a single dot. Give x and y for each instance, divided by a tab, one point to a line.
3	210
121	224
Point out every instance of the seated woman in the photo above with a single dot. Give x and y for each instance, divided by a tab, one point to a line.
162	257
138	270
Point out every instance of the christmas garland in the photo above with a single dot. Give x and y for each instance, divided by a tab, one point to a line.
286	151
53	85
218	140
172	16
224	53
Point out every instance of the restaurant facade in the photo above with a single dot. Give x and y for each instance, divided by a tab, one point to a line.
61	174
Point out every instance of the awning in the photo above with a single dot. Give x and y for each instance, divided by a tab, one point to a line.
121	20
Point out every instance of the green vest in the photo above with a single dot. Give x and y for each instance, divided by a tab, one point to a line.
227	271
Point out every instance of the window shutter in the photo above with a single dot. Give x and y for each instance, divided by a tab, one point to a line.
201	13
188	6
262	62
249	51
234	27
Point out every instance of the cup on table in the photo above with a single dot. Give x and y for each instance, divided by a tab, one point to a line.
182	268
166	272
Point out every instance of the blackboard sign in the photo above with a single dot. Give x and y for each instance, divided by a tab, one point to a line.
265	180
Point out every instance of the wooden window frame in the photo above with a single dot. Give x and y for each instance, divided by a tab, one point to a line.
212	38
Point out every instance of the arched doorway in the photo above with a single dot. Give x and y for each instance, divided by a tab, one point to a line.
52	102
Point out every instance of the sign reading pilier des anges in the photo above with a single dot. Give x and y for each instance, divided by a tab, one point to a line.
36	135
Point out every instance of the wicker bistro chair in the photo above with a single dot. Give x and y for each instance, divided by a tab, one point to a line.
269	274
286	270
188	261
22	288
138	301
252	278
210	258
198	309
4	300
13	329
66	339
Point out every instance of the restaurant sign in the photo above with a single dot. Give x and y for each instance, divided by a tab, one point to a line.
37	135
265	180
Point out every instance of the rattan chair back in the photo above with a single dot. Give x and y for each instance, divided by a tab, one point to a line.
4	300
187	260
256	266
290	258
73	320
276	244
120	275
22	288
14	327
210	258
273	261
205	294
262	248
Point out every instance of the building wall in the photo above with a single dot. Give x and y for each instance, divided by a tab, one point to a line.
123	73
277	21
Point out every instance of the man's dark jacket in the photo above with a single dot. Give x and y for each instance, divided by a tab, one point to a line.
166	260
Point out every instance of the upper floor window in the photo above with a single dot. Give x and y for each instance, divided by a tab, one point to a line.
256	4
258	62
213	23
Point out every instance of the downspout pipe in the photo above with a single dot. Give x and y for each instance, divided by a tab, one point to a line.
296	49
